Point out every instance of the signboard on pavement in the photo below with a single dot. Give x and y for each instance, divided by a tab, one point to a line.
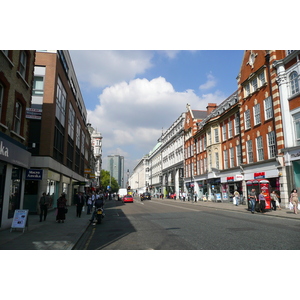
20	219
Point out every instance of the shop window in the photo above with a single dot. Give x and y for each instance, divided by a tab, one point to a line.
15	191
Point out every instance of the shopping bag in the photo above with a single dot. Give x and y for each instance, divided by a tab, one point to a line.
291	206
82	208
298	206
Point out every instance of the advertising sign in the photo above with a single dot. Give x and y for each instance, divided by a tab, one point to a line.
34	174
20	219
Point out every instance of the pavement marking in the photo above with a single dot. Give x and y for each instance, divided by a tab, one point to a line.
90	238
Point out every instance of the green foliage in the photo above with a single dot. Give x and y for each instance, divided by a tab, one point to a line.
105	181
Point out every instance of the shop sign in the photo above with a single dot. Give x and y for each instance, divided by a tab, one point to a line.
259	175
231	178
33	113
87	171
239	177
13	154
34	174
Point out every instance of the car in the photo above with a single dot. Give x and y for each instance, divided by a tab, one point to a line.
146	196
127	198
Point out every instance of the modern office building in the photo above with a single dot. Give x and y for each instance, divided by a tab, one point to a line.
115	165
59	140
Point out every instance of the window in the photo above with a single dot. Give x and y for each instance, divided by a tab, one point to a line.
268	108
229	129
247	119
271	143
38	86
246	90
18	118
224	132
216	135
71	122
249	151
209	137
217	160
238	155
256	109
294	82
237	124
254	84
261	78
231	154
225	155
78	129
1	98
260	149
23	63
61	97
297	127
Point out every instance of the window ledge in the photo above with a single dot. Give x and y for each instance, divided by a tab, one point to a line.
16	134
4	126
23	79
294	96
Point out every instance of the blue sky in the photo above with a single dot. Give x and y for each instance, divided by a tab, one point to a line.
131	96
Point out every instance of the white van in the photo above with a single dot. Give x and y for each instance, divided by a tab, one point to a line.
121	193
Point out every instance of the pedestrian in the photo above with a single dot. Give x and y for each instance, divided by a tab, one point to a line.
262	202
89	204
237	197
274	200
253	199
294	200
183	196
195	196
61	208
44	205
79	202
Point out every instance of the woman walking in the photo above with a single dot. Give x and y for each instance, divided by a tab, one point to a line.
294	200
61	206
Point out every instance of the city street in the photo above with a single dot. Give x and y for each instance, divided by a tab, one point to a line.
173	225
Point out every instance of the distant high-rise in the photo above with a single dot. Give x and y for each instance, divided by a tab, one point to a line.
115	165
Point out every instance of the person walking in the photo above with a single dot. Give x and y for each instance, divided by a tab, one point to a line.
237	197
294	200
61	207
253	199
275	201
44	204
262	202
79	202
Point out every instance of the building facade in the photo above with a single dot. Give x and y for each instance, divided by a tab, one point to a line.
172	154
16	77
192	118
59	140
288	80
262	137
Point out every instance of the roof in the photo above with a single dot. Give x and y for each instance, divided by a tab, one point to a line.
199	114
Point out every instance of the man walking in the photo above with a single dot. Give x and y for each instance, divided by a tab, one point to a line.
79	201
253	198
44	203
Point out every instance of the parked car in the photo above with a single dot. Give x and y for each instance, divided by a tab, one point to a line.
146	196
127	198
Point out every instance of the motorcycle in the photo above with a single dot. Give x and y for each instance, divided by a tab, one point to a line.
99	215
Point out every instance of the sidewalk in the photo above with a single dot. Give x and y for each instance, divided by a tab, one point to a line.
46	235
49	235
283	213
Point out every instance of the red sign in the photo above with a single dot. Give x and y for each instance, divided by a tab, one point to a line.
259	175
230	178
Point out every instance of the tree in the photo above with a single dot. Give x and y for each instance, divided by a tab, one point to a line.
105	181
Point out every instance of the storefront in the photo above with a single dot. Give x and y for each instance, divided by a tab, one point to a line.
230	184
14	160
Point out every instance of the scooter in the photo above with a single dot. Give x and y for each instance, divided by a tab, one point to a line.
99	215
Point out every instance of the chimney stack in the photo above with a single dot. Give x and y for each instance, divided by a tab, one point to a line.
210	107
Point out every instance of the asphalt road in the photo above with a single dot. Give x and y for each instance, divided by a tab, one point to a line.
174	225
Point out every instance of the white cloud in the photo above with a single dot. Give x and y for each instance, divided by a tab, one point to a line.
132	115
103	68
210	83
